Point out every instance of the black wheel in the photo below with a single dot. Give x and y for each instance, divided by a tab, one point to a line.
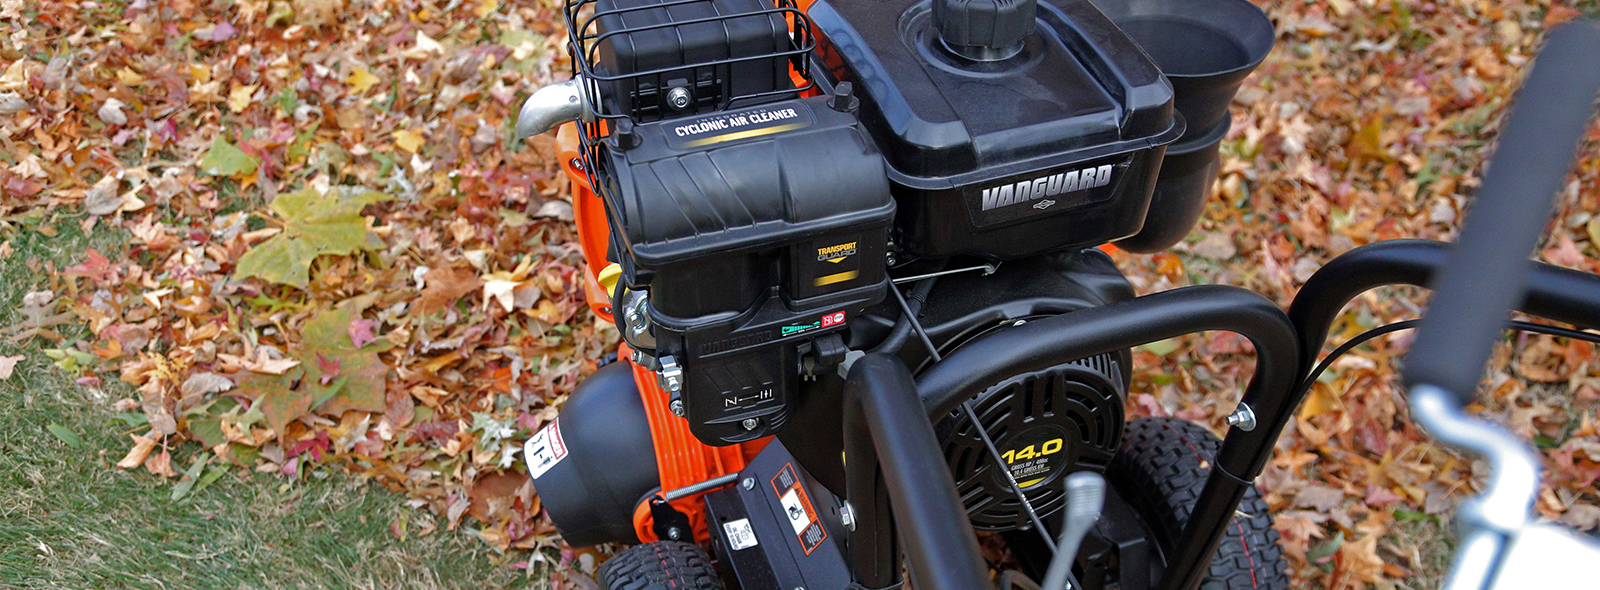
662	565
1160	470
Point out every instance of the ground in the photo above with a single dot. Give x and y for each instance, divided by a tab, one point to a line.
70	520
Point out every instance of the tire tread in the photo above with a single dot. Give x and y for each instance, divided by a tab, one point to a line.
661	565
1163	465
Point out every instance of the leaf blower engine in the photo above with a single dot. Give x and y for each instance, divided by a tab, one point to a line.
750	179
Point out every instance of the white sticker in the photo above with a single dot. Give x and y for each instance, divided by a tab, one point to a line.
545	449
796	513
740	535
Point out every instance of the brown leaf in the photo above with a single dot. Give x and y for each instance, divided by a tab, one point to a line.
1319	498
275	397
444	286
142	445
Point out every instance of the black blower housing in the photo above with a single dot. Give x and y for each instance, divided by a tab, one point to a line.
610	461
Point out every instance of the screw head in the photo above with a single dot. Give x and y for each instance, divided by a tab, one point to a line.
674	534
750	423
678	97
677	407
749	483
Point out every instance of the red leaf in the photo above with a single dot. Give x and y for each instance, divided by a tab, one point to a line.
360	331
329	368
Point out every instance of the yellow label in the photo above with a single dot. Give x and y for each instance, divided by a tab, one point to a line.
836	278
836	253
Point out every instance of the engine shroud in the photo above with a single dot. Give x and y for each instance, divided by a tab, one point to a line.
1045	425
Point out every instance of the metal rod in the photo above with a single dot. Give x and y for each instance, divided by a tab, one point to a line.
988	269
704	486
994	452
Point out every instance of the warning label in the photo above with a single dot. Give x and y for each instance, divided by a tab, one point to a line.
797	508
545	449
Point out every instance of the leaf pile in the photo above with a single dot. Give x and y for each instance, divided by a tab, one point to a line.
315	194
337	258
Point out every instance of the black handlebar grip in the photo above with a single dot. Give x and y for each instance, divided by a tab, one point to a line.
1486	274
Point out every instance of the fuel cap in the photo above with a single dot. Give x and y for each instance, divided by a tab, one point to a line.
984	30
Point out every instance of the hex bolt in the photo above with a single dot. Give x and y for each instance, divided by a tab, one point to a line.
847	516
678	97
750	423
1244	418
674	534
749	483
677	407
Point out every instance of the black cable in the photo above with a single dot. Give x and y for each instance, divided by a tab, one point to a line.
1363	337
902	328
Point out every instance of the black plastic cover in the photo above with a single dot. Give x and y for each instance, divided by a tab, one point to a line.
754	232
1079	115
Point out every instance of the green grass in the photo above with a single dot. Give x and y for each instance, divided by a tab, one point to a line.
69	519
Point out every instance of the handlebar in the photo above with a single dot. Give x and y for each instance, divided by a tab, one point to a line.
1488	271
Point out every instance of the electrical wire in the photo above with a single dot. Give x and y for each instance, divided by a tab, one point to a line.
1363	337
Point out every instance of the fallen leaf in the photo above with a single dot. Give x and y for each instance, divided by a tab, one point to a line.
225	159
314	225
8	364
200	384
142	445
240	97
360	332
111	113
65	435
360	80
444	286
276	400
330	354
408	140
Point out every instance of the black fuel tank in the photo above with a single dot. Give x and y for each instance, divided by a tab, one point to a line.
1053	146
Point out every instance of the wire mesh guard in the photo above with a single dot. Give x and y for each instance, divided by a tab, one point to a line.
648	60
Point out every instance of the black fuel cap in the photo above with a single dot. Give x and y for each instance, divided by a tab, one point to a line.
984	30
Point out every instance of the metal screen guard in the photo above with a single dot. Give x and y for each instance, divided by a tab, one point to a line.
1052	341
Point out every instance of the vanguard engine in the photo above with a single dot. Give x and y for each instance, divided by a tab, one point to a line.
752	179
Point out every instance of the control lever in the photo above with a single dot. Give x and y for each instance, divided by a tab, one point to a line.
1086	495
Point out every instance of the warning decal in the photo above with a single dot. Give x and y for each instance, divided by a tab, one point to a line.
545	449
798	510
